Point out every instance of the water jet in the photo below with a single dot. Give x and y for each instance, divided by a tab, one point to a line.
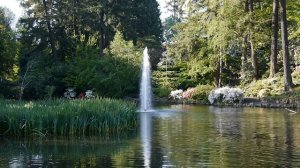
145	85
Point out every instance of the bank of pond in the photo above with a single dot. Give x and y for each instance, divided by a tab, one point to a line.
63	117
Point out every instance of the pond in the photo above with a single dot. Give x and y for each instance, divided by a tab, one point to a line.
188	136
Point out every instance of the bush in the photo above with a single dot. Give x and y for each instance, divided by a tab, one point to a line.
162	92
188	94
274	85
176	94
114	75
202	92
264	93
296	76
226	95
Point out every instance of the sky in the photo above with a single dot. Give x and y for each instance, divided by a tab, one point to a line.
14	6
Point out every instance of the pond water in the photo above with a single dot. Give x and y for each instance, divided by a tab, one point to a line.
195	136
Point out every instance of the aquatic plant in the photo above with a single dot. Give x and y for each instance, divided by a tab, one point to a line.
64	117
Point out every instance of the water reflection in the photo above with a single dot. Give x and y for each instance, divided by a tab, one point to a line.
227	120
201	136
146	135
289	130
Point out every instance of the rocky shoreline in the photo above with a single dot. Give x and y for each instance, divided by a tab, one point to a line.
271	103
247	102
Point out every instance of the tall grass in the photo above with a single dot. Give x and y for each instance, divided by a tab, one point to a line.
66	117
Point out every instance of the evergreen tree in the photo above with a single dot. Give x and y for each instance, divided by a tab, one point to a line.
275	27
288	83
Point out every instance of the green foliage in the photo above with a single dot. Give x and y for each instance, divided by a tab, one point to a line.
265	87
42	74
8	47
201	93
118	78
296	77
114	75
83	70
215	36
162	92
50	91
8	89
66	117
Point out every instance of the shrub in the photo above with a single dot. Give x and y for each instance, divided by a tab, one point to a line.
264	93
226	95
162	92
274	85
176	94
189	93
89	94
296	75
70	93
202	92
115	75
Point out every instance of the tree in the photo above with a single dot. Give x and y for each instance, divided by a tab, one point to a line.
274	52
176	7
139	20
8	46
288	83
49	27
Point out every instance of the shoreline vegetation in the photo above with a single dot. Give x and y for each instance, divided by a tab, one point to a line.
284	100
247	102
267	93
61	117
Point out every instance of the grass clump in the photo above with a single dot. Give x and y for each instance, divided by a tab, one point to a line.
66	117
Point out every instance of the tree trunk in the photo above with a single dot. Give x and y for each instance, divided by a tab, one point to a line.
251	7
288	82
247	6
74	17
220	69
101	34
253	56
217	74
244	58
274	50
51	36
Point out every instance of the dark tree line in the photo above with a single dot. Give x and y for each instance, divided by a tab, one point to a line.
56	37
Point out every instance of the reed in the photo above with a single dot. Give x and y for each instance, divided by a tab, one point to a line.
66	117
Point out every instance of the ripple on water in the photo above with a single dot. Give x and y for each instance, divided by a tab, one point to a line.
198	137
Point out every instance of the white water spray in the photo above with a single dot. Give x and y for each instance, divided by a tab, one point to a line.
145	86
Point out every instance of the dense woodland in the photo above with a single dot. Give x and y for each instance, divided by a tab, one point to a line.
97	45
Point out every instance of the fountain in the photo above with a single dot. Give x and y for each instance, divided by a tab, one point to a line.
147	110
146	106
145	86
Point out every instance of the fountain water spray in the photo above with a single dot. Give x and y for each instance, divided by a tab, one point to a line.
145	85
